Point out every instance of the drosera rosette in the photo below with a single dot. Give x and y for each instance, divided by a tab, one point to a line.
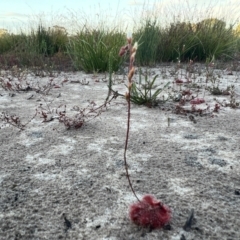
148	212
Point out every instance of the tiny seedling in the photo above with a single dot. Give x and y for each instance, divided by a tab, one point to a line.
146	96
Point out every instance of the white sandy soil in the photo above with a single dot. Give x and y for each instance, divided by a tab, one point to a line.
58	183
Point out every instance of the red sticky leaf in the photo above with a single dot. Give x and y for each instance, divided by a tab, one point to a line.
150	213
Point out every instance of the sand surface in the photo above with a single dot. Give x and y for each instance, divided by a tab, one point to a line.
58	183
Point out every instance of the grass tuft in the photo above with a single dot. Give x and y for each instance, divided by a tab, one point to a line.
90	50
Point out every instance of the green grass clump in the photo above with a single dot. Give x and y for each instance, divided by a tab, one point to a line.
90	50
32	50
214	39
210	38
148	37
48	41
5	43
93	45
177	42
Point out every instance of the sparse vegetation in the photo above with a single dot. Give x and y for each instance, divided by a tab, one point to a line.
146	92
89	48
148	212
176	68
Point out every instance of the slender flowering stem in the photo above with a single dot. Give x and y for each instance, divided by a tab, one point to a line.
123	51
148	212
126	146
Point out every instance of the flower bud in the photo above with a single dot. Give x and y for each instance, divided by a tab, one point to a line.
131	73
127	96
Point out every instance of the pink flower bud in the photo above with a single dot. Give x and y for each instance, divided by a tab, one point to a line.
123	50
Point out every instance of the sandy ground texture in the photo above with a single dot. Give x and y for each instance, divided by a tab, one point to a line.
58	183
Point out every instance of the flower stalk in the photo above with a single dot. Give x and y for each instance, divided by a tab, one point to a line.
123	51
148	212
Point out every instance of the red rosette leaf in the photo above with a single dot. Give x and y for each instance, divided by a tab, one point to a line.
150	213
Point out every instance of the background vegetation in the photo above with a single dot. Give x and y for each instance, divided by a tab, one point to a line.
95	49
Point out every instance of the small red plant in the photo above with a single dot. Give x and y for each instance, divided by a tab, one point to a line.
147	212
197	101
186	92
216	108
150	213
